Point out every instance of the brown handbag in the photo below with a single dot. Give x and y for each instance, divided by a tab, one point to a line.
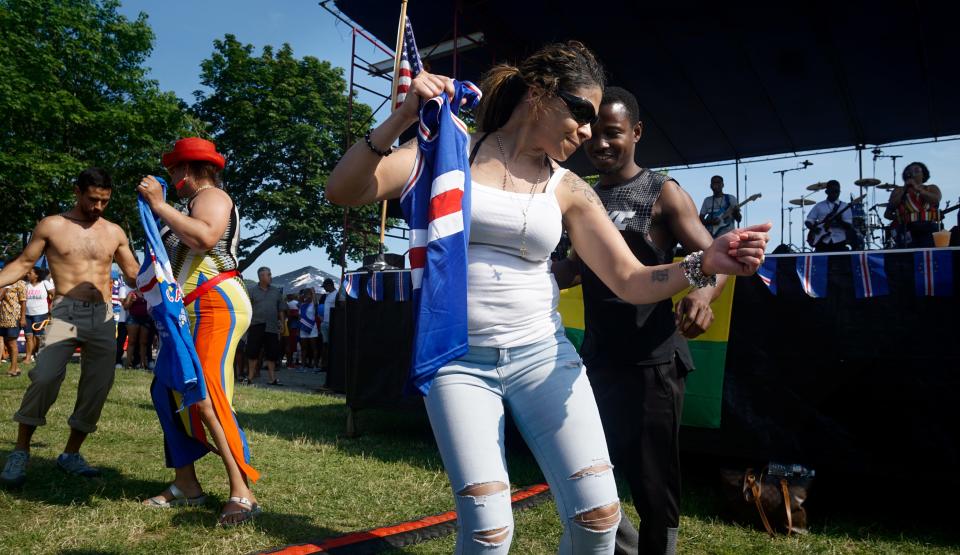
776	497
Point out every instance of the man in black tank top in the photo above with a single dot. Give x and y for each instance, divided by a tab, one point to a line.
635	355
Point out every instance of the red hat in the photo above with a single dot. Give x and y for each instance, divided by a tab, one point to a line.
193	149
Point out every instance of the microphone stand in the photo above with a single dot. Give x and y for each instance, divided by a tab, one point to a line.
783	204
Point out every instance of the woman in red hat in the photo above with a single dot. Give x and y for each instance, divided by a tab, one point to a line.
201	241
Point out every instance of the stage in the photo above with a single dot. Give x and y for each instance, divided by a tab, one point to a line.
860	378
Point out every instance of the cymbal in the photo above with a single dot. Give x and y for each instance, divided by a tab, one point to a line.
817	186
866	182
887	186
801	201
881	205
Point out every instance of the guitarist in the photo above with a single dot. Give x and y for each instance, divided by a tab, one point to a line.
719	212
830	223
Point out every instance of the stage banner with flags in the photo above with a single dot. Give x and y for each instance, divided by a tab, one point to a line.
768	274
351	285
375	286
933	273
869	275
704	389
812	271
402	286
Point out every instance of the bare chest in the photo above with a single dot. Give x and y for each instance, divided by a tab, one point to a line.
76	243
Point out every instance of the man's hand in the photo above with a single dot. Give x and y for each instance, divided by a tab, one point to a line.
694	315
23	322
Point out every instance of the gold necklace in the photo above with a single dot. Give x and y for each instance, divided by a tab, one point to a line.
197	192
533	188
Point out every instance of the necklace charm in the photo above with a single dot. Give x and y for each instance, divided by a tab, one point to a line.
533	189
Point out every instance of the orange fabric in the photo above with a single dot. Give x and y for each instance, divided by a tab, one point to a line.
211	338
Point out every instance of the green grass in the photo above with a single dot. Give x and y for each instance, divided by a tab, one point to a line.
315	483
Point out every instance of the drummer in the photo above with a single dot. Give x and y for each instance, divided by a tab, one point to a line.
915	207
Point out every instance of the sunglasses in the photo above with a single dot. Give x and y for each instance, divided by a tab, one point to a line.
580	108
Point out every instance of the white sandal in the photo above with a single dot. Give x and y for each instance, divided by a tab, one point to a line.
180	499
248	514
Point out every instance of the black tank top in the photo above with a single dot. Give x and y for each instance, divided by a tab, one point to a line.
618	332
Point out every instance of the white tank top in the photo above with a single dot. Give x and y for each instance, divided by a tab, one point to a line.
512	299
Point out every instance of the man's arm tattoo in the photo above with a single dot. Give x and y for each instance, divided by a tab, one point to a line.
660	275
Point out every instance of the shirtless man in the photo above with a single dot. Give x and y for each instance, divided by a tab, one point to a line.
80	246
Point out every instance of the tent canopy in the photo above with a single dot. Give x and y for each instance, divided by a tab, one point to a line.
717	81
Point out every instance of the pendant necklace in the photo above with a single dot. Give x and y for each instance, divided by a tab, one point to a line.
533	188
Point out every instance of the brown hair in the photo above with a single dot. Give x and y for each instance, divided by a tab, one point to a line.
201	170
560	66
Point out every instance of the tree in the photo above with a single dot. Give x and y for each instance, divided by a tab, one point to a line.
74	94
281	122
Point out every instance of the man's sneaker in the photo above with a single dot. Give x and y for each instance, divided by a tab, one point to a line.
15	471
74	463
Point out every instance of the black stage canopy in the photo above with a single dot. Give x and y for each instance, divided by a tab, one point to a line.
722	81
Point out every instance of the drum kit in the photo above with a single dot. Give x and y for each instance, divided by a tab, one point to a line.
867	222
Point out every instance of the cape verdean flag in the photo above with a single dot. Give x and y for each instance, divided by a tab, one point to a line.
869	275
812	271
436	206
177	366
933	273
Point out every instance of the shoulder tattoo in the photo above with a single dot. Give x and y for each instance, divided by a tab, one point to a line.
579	187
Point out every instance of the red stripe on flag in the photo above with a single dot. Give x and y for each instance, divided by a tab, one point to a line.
418	257
446	203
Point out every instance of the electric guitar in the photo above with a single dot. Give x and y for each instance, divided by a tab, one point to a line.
714	225
819	229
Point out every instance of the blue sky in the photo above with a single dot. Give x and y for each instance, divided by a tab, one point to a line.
185	32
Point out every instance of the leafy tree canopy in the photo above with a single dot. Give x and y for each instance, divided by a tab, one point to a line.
281	122
74	94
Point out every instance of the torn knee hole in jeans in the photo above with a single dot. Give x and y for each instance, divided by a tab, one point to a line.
492	537
593	470
600	519
479	492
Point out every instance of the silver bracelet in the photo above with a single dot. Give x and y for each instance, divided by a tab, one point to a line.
692	266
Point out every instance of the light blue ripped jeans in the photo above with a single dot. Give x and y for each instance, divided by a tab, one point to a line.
546	388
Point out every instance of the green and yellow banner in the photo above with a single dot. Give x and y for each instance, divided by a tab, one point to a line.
704	393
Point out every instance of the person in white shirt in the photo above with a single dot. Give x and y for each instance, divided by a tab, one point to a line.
331	299
830	222
39	294
119	293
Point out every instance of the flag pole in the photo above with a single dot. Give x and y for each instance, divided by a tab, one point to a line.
393	101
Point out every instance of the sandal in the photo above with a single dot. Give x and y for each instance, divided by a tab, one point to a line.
13	374
275	382
246	515
179	499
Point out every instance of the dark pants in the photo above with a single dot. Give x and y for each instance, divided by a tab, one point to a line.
640	407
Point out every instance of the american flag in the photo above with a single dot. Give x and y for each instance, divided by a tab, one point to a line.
410	64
